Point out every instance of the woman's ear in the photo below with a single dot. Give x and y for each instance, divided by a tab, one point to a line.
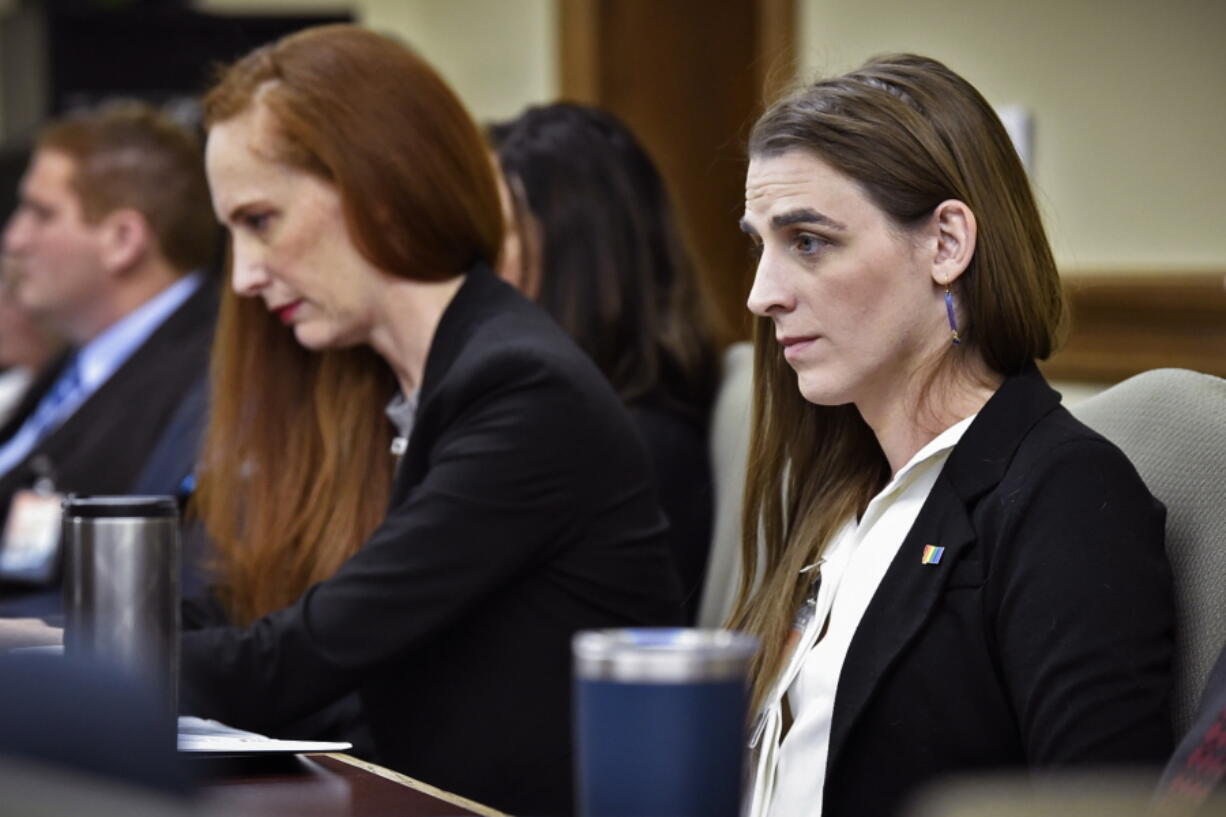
955	228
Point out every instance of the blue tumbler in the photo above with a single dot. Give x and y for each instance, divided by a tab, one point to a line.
660	721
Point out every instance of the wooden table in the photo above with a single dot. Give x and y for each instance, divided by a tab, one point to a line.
323	785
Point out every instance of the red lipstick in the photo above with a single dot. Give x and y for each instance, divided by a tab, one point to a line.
286	313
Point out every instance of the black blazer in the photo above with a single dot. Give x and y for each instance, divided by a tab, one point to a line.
103	446
681	462
523	511
1042	638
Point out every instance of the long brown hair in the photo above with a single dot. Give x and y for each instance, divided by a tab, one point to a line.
613	269
296	471
912	134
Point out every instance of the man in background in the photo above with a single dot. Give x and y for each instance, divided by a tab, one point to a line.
108	244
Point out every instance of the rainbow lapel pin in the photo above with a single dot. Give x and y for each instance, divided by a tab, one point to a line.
932	555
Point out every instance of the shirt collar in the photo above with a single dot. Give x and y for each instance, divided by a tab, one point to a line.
939	444
402	411
936	447
98	359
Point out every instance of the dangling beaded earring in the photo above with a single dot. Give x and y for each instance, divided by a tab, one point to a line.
953	320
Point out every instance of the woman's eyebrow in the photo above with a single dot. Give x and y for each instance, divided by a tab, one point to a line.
805	215
239	210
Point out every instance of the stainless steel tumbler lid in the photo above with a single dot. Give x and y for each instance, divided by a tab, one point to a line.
662	655
119	507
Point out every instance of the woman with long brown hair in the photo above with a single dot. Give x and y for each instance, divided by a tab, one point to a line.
946	570
437	559
594	241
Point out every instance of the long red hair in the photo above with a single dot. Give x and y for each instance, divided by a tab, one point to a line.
296	471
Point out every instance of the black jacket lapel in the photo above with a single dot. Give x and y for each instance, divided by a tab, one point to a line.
902	604
481	298
910	589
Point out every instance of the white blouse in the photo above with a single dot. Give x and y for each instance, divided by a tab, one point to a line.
789	775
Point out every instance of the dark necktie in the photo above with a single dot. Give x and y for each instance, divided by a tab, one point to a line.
45	418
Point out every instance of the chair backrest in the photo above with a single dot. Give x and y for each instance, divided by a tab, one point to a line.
729	453
1050	794
1172	424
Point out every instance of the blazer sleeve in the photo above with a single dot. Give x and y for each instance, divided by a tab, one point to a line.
504	481
1084	620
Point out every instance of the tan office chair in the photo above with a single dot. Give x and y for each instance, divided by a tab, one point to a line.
1172	424
1072	794
729	452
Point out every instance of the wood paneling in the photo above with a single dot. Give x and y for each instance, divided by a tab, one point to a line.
775	66
579	50
689	77
1124	324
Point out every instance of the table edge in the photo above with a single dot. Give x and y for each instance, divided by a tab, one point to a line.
405	780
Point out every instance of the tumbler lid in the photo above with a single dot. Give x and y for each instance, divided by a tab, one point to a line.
662	655
116	507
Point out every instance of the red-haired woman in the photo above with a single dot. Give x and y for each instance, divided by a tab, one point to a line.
442	585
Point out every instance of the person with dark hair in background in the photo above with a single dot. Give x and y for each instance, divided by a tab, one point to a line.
593	239
108	246
946	570
417	486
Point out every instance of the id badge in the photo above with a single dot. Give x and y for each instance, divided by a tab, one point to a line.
30	549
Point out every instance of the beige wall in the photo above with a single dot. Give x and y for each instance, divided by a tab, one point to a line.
499	55
1129	98
274	6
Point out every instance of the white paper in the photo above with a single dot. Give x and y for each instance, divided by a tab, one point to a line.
200	735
